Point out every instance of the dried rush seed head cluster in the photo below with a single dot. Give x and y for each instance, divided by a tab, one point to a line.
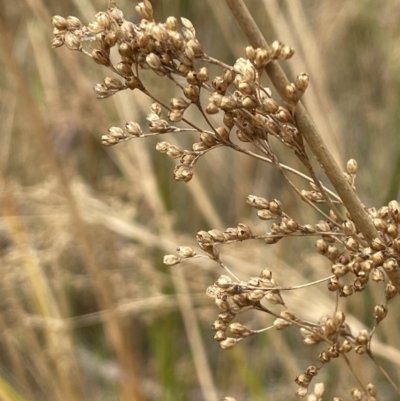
250	115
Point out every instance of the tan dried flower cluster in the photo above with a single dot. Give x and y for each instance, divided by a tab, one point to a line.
249	114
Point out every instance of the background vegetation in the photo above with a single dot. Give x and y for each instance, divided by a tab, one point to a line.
87	309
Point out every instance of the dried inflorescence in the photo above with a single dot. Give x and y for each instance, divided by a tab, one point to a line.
249	114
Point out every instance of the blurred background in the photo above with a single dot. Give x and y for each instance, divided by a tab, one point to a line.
88	311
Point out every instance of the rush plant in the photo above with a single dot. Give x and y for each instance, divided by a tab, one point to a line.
360	244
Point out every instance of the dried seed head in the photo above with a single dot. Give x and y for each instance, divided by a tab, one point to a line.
283	115
203	74
303	380
377	275
339	270
192	92
186	252
302	81
133	128
231	234
394	209
292	92
371	389
265	214
286	53
380	312
257	201
301	392
390	291
261	58
240	330
171	260
351	244
216	235
356	394
281	324
392	230
270	105
349	227
332	253
249	102
334	285
175	115
183	173
59	22
72	41
230	342
73	23
377	244
244	231
352	166
390	265
223	133
276	207
250	53
321	246
145	10
220	335
274	298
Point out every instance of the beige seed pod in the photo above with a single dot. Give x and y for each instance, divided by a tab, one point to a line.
303	380
377	244
349	227
377	275
275	49
175	115
250	53
220	85
220	335
283	115
230	342
208	139
270	105
242	136
302	81
240	330
223	133
301	392
179	103
292	92
351	244
73	42
281	324
276	207
352	166
231	234
186	252
171	260
392	230
192	92
203	74
286	53
339	270
171	23
244	231
390	291
183	173
371	389
123	68
394	209
261	58
321	246
217	235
